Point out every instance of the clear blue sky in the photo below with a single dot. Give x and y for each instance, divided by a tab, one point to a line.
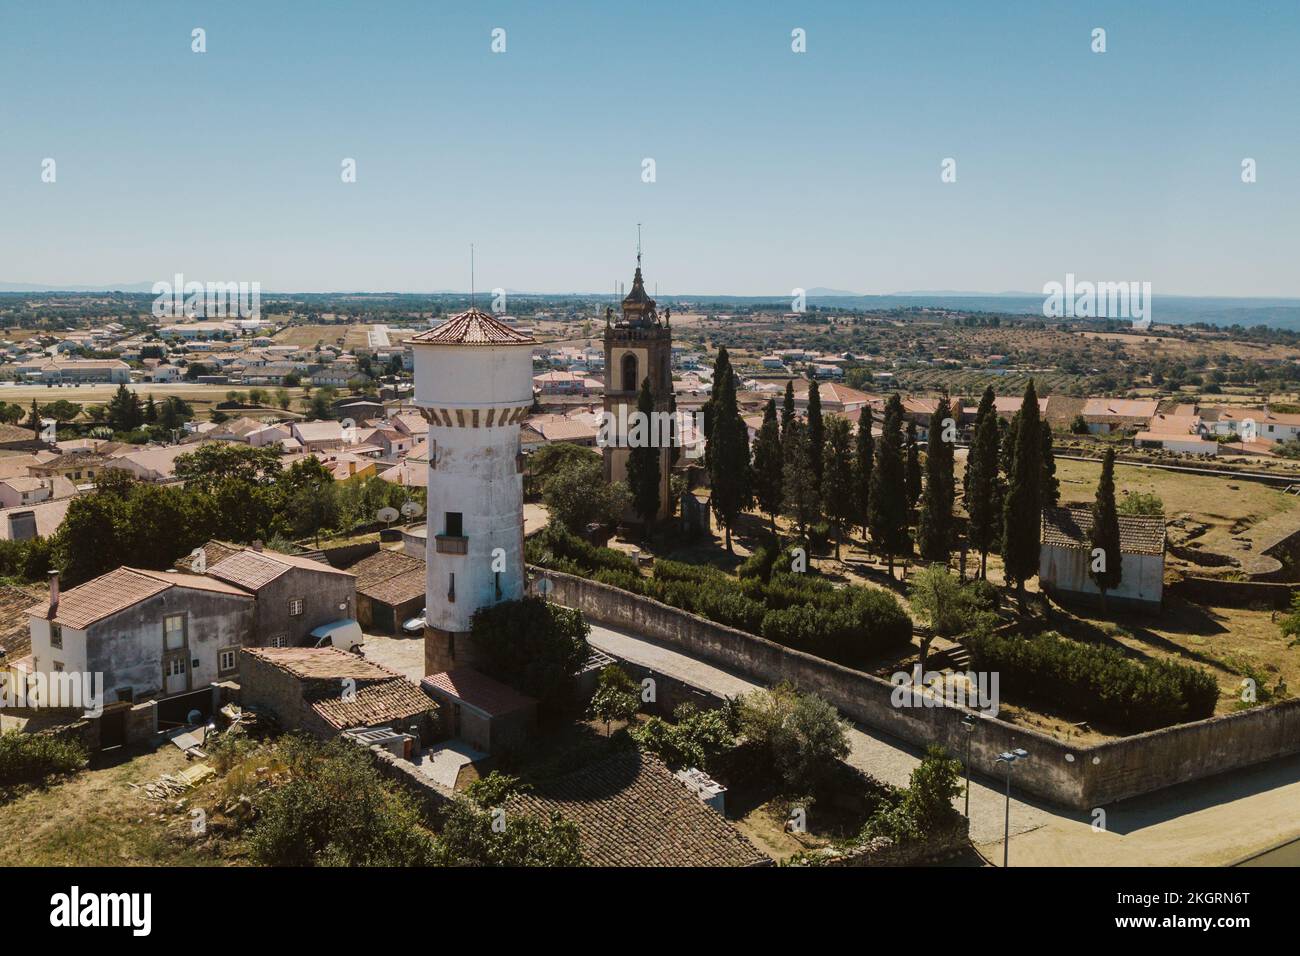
774	169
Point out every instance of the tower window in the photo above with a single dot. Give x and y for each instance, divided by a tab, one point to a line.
629	373
454	524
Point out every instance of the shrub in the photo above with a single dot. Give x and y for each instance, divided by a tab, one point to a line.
34	758
616	697
468	838
925	807
335	810
1099	683
695	738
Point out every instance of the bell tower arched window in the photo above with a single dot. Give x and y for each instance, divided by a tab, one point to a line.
629	373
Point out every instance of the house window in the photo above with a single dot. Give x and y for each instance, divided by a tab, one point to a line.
174	631
451	587
174	667
58	666
295	607
227	660
56	635
455	524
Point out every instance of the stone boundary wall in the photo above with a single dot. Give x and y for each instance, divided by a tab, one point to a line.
1234	593
1080	777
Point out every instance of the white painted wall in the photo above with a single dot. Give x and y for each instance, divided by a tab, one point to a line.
1067	570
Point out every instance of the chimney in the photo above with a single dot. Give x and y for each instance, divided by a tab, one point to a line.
257	544
54	592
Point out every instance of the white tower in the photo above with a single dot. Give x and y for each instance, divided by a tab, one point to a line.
474	384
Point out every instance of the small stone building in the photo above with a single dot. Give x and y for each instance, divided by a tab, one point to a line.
483	712
1065	558
294	594
324	691
390	590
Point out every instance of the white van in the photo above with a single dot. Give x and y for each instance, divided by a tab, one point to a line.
345	635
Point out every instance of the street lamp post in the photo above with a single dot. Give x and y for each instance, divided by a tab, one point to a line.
1009	758
968	722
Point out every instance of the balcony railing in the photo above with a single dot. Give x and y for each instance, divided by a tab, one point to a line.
451	543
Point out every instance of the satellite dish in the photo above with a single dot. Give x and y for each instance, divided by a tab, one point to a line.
387	515
412	508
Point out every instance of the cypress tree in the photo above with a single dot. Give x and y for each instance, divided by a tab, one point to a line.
643	460
802	504
787	408
1022	511
729	466
864	451
981	495
769	465
913	477
1051	487
837	491
887	512
722	373
816	430
35	423
935	531
1105	563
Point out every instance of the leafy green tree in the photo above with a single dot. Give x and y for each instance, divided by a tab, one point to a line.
935	528
694	737
577	495
212	462
1022	510
801	735
535	647
308	500
549	459
864	450
887	515
935	597
616	697
802	502
730	472
89	541
769	465
816	431
643	462
839	500
1106	563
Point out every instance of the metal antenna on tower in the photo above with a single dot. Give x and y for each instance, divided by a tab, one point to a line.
638	245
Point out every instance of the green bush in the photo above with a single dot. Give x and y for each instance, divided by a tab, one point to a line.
801	735
33	758
849	625
335	810
925	807
1099	683
694	738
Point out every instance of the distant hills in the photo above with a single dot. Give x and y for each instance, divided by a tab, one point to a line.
1281	313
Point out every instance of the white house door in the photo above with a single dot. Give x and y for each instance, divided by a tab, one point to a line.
175	674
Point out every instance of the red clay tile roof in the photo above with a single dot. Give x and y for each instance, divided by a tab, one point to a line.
477	690
375	702
381	566
1070	528
321	663
473	328
631	811
119	589
253	570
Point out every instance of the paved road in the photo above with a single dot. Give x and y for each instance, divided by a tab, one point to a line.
1212	822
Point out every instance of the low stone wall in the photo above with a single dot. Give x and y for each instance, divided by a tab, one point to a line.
1234	593
1077	777
431	796
882	851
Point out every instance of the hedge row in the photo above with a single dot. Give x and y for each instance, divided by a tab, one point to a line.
1100	683
849	625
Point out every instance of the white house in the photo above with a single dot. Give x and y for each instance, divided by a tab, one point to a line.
1065	559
